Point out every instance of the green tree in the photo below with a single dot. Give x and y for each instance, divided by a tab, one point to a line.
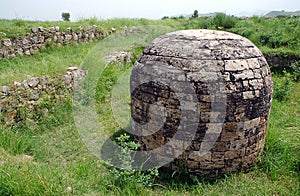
66	16
195	14
221	20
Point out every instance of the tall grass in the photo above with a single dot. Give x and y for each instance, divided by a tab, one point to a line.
271	33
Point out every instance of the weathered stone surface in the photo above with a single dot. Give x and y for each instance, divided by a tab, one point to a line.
33	82
27	52
6	89
233	87
75	36
17	84
236	65
72	68
69	37
120	57
34	30
44	80
41	29
7	42
68	78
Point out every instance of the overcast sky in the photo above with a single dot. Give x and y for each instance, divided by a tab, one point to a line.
153	9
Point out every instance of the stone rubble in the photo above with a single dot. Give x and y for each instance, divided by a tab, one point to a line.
119	57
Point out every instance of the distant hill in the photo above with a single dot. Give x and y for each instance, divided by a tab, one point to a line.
281	13
270	14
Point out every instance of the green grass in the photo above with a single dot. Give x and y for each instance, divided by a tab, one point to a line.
50	158
272	34
50	62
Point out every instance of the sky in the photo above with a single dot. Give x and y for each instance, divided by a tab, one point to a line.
153	9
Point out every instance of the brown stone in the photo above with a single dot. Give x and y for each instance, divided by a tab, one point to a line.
231	136
221	146
233	154
251	149
251	123
238	144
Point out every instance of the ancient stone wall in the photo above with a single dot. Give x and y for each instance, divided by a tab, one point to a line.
31	43
278	60
35	97
202	97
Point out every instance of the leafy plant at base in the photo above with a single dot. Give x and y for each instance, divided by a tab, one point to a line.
127	176
295	74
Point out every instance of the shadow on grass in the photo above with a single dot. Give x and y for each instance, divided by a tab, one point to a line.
167	178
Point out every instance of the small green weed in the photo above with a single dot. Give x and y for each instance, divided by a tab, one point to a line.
127	176
283	88
295	71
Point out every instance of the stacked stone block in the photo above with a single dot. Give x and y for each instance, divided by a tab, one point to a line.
232	83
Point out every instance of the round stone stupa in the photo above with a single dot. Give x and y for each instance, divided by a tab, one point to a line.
201	98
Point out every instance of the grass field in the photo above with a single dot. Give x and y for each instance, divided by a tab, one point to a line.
50	158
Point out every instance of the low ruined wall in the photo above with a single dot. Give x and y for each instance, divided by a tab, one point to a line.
29	101
31	43
279	60
35	97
